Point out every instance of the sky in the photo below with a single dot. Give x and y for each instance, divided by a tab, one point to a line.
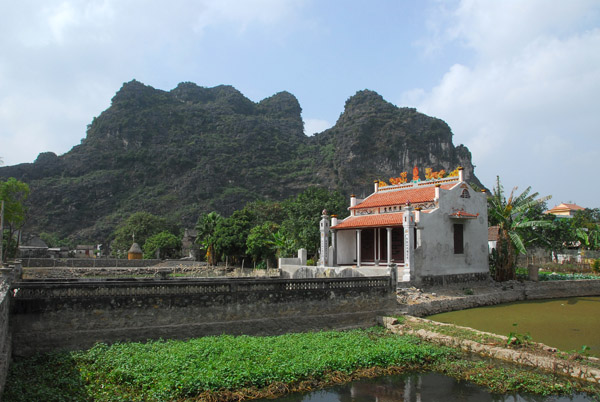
518	81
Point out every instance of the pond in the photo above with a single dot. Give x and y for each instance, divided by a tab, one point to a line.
417	387
566	324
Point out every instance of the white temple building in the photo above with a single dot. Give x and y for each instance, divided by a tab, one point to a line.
434	231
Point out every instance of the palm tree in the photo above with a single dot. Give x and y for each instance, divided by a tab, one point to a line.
513	217
206	234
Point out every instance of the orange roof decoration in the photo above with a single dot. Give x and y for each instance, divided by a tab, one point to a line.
401	196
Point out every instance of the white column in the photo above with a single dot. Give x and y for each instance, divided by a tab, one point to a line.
408	222
375	245
358	245
324	229
389	246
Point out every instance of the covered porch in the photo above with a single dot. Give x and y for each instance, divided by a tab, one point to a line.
369	246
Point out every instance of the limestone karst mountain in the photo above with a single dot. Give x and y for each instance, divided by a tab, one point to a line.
194	149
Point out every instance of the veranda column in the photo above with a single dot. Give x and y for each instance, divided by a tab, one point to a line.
375	246
358	245
389	246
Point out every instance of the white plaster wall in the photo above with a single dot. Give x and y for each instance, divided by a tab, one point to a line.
346	247
435	253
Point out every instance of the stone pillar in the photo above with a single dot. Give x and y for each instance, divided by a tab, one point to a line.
389	246
358	247
408	222
302	256
324	228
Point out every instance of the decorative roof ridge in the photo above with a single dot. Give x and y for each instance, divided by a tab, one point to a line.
419	184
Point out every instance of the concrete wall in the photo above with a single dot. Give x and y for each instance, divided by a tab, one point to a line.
434	255
346	247
86	262
56	315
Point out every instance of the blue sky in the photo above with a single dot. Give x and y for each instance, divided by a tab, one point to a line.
518	81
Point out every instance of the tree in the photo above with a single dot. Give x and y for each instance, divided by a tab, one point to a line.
586	224
231	234
141	224
206	226
14	193
162	245
260	244
512	216
304	214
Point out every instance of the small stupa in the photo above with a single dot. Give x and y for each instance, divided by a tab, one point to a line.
135	252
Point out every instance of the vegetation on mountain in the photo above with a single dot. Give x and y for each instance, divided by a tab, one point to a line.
186	152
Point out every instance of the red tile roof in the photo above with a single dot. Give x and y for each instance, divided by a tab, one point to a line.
384	198
370	221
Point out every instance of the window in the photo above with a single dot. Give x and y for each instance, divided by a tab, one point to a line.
465	194
458	238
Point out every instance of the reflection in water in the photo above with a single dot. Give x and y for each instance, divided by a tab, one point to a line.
417	388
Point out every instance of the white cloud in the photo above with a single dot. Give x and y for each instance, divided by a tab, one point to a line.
527	105
63	60
314	126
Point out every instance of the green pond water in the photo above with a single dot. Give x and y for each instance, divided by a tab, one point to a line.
566	324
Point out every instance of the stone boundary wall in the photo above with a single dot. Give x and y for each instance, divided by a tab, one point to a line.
510	292
443	280
59	315
86	262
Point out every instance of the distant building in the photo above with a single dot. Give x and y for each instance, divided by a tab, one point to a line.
84	251
135	252
435	230
34	247
564	210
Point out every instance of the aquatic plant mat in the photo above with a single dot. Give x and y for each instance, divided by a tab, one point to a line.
229	368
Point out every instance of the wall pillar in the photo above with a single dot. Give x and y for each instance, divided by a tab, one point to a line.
408	222
333	261
358	245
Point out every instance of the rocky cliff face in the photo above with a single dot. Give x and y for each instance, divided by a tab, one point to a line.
193	149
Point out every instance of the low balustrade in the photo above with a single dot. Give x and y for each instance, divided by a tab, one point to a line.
45	289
